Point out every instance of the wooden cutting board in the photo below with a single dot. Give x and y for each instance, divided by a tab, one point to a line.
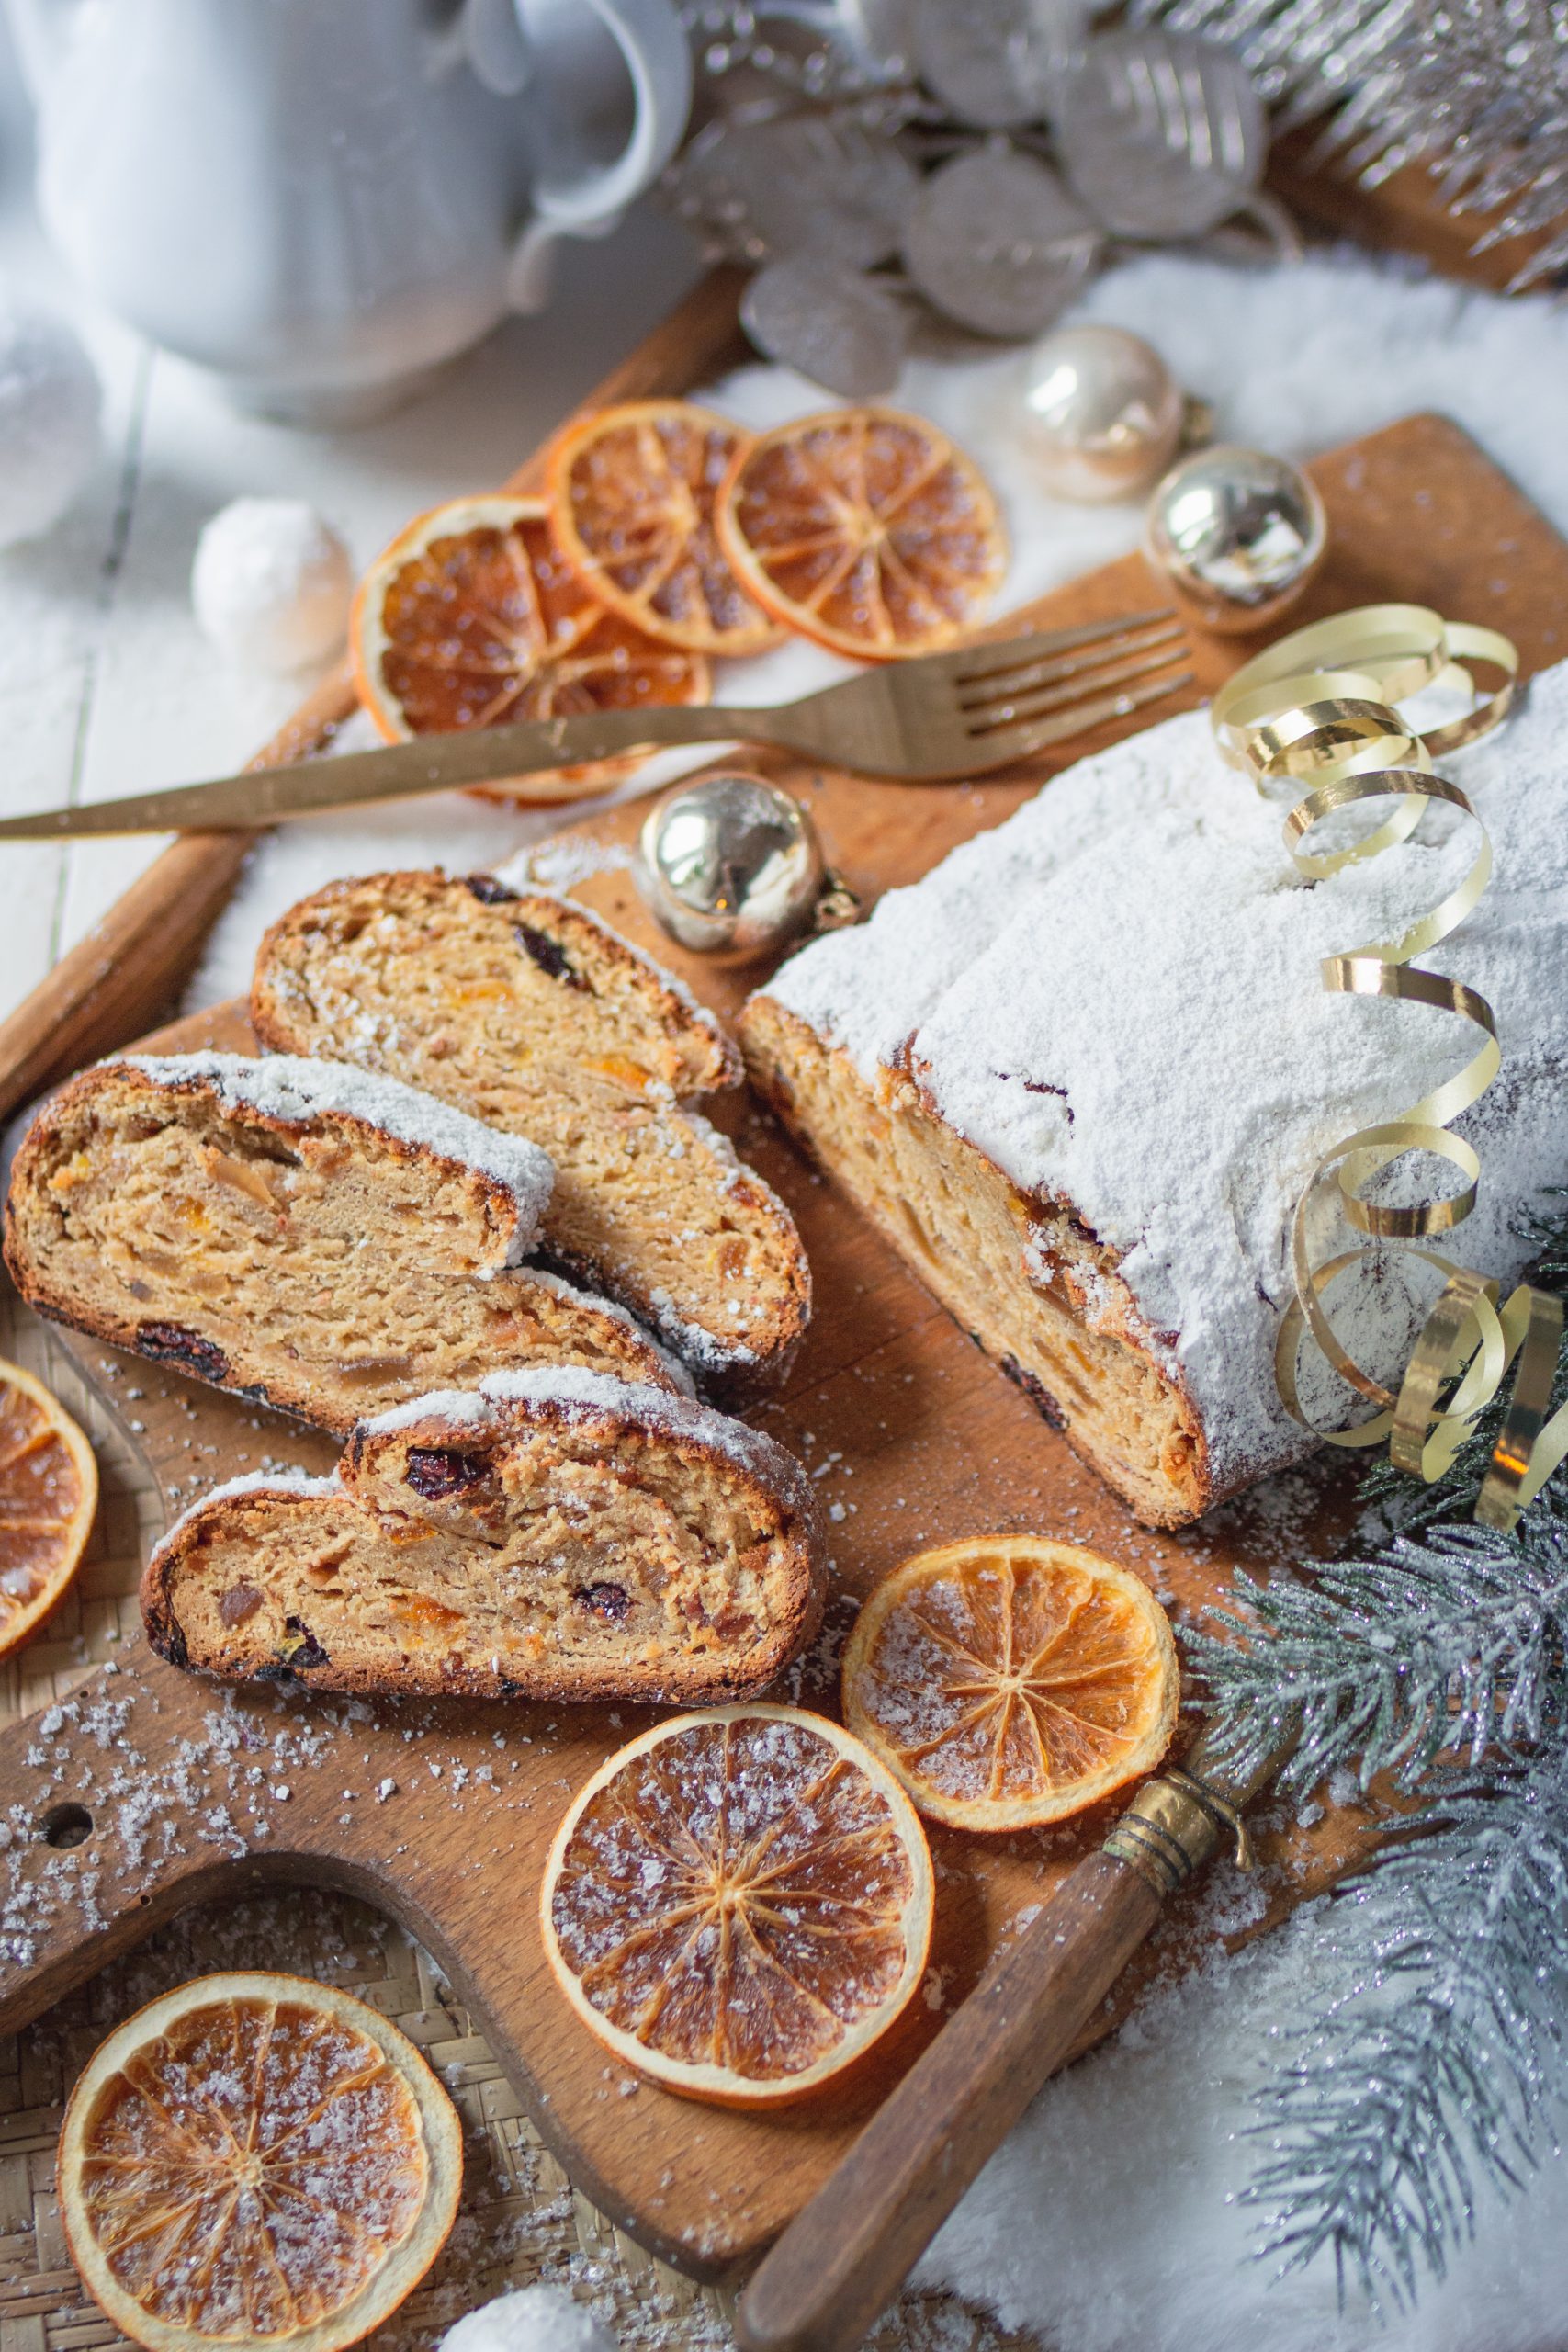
149	1790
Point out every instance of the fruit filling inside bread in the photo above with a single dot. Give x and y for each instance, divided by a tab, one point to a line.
281	1228
551	1535
527	1013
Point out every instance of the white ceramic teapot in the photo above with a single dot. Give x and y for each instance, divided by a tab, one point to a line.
320	200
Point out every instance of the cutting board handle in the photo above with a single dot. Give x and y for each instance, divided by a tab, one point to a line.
841	2263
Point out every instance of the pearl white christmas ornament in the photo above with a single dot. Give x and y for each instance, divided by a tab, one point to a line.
271	584
50	401
534	2319
1102	413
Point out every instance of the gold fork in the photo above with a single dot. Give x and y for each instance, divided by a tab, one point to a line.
946	714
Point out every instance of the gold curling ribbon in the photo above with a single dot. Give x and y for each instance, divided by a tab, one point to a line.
1319	708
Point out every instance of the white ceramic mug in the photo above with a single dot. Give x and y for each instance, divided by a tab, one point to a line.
320	200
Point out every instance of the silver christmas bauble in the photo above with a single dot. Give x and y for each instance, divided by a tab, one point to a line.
1238	535
1102	413
732	867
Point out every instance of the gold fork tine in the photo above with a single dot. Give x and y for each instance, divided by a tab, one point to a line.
995	691
1009	743
975	663
1078	685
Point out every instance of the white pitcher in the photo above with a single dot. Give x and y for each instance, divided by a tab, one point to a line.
320	200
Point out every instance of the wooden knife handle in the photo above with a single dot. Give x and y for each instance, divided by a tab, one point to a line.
841	2261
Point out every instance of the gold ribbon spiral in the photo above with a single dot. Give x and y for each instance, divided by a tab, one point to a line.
1320	708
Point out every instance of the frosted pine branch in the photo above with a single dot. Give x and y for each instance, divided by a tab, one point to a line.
1456	1640
1428	2066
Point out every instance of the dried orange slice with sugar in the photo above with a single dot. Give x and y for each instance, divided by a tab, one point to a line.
631	497
472	618
866	529
740	1903
48	1495
1009	1681
253	2159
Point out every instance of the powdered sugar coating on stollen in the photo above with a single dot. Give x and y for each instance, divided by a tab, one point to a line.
288	1483
298	1090
1116	997
574	1391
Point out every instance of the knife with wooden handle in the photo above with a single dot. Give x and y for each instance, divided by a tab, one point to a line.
844	2256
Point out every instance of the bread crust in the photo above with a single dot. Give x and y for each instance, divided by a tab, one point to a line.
364	1498
313	992
185	1345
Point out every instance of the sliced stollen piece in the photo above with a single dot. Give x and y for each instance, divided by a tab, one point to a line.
548	1536
319	1239
525	1012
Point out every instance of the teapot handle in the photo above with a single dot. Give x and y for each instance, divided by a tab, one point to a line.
589	202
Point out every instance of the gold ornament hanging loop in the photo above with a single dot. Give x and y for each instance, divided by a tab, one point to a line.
1318	709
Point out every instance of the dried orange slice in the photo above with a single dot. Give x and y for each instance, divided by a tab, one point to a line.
740	1903
1009	1681
632	493
48	1495
256	2160
472	618
866	529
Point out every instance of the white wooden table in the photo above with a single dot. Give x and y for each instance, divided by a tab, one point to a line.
106	684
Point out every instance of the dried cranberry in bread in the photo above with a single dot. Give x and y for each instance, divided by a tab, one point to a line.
326	1241
528	1013
548	1535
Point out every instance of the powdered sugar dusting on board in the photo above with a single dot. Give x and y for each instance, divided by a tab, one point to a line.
1115	996
293	1087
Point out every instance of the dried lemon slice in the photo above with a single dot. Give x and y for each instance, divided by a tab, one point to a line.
632	492
740	1903
253	2160
866	529
1009	1681
48	1495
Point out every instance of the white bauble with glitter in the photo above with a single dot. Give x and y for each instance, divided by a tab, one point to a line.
49	401
271	584
535	2319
